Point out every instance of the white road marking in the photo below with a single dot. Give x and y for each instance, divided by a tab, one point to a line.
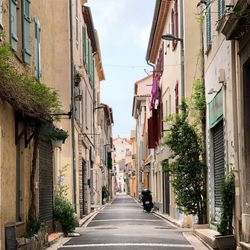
95	220
129	244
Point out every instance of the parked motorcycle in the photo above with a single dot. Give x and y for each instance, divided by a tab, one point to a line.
147	200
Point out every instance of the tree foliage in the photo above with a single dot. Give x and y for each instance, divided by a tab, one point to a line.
185	167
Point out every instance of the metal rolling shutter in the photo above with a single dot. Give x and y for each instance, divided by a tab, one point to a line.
45	182
219	161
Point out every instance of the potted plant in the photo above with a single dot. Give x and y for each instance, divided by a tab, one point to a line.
57	136
226	239
105	194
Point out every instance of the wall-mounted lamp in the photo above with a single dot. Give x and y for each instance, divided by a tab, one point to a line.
63	114
170	37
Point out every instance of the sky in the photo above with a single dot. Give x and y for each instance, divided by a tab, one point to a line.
123	28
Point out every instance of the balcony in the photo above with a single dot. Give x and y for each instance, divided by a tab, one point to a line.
236	22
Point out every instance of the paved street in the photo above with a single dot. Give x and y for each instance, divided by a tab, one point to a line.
124	225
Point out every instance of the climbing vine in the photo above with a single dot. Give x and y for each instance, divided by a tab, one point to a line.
23	92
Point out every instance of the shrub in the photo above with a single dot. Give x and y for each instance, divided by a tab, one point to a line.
58	134
105	192
227	203
32	227
64	213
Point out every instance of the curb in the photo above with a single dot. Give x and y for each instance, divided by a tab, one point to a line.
169	219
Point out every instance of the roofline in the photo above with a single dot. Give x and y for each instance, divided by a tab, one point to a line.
153	27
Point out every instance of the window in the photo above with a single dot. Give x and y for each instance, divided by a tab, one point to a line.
174	21
84	43
37	47
77	21
26	31
13	24
208	25
177	98
221	8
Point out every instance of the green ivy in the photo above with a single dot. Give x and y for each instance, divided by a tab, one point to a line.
24	92
198	100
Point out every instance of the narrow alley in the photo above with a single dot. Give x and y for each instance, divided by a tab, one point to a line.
124	225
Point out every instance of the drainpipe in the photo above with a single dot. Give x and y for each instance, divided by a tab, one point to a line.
182	51
72	104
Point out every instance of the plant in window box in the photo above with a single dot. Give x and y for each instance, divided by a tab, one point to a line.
57	136
226	239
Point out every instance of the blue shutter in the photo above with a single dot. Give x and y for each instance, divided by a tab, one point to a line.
13	24
26	31
37	54
208	24
221	8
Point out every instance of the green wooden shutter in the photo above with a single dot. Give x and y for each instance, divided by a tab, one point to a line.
93	73
37	54
13	24
26	31
221	8
86	47
84	43
90	64
208	24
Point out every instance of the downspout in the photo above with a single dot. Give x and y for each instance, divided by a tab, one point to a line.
182	51
72	103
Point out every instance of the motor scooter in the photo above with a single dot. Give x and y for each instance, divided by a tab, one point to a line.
147	200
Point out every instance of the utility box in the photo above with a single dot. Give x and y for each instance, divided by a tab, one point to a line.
10	236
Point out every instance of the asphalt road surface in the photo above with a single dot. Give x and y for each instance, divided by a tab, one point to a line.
124	225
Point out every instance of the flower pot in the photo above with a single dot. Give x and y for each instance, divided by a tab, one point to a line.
225	242
57	143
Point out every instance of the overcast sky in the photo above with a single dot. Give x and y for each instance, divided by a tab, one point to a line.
123	27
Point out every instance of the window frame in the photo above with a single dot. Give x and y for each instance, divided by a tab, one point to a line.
208	25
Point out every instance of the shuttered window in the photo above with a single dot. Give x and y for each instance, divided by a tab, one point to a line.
77	23
221	8
176	98
208	24
219	162
84	44
13	24
26	31
174	20
93	72
37	47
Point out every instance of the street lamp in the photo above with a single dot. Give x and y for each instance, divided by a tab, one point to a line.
170	37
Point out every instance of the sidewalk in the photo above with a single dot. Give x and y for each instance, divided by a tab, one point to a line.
193	238
57	239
